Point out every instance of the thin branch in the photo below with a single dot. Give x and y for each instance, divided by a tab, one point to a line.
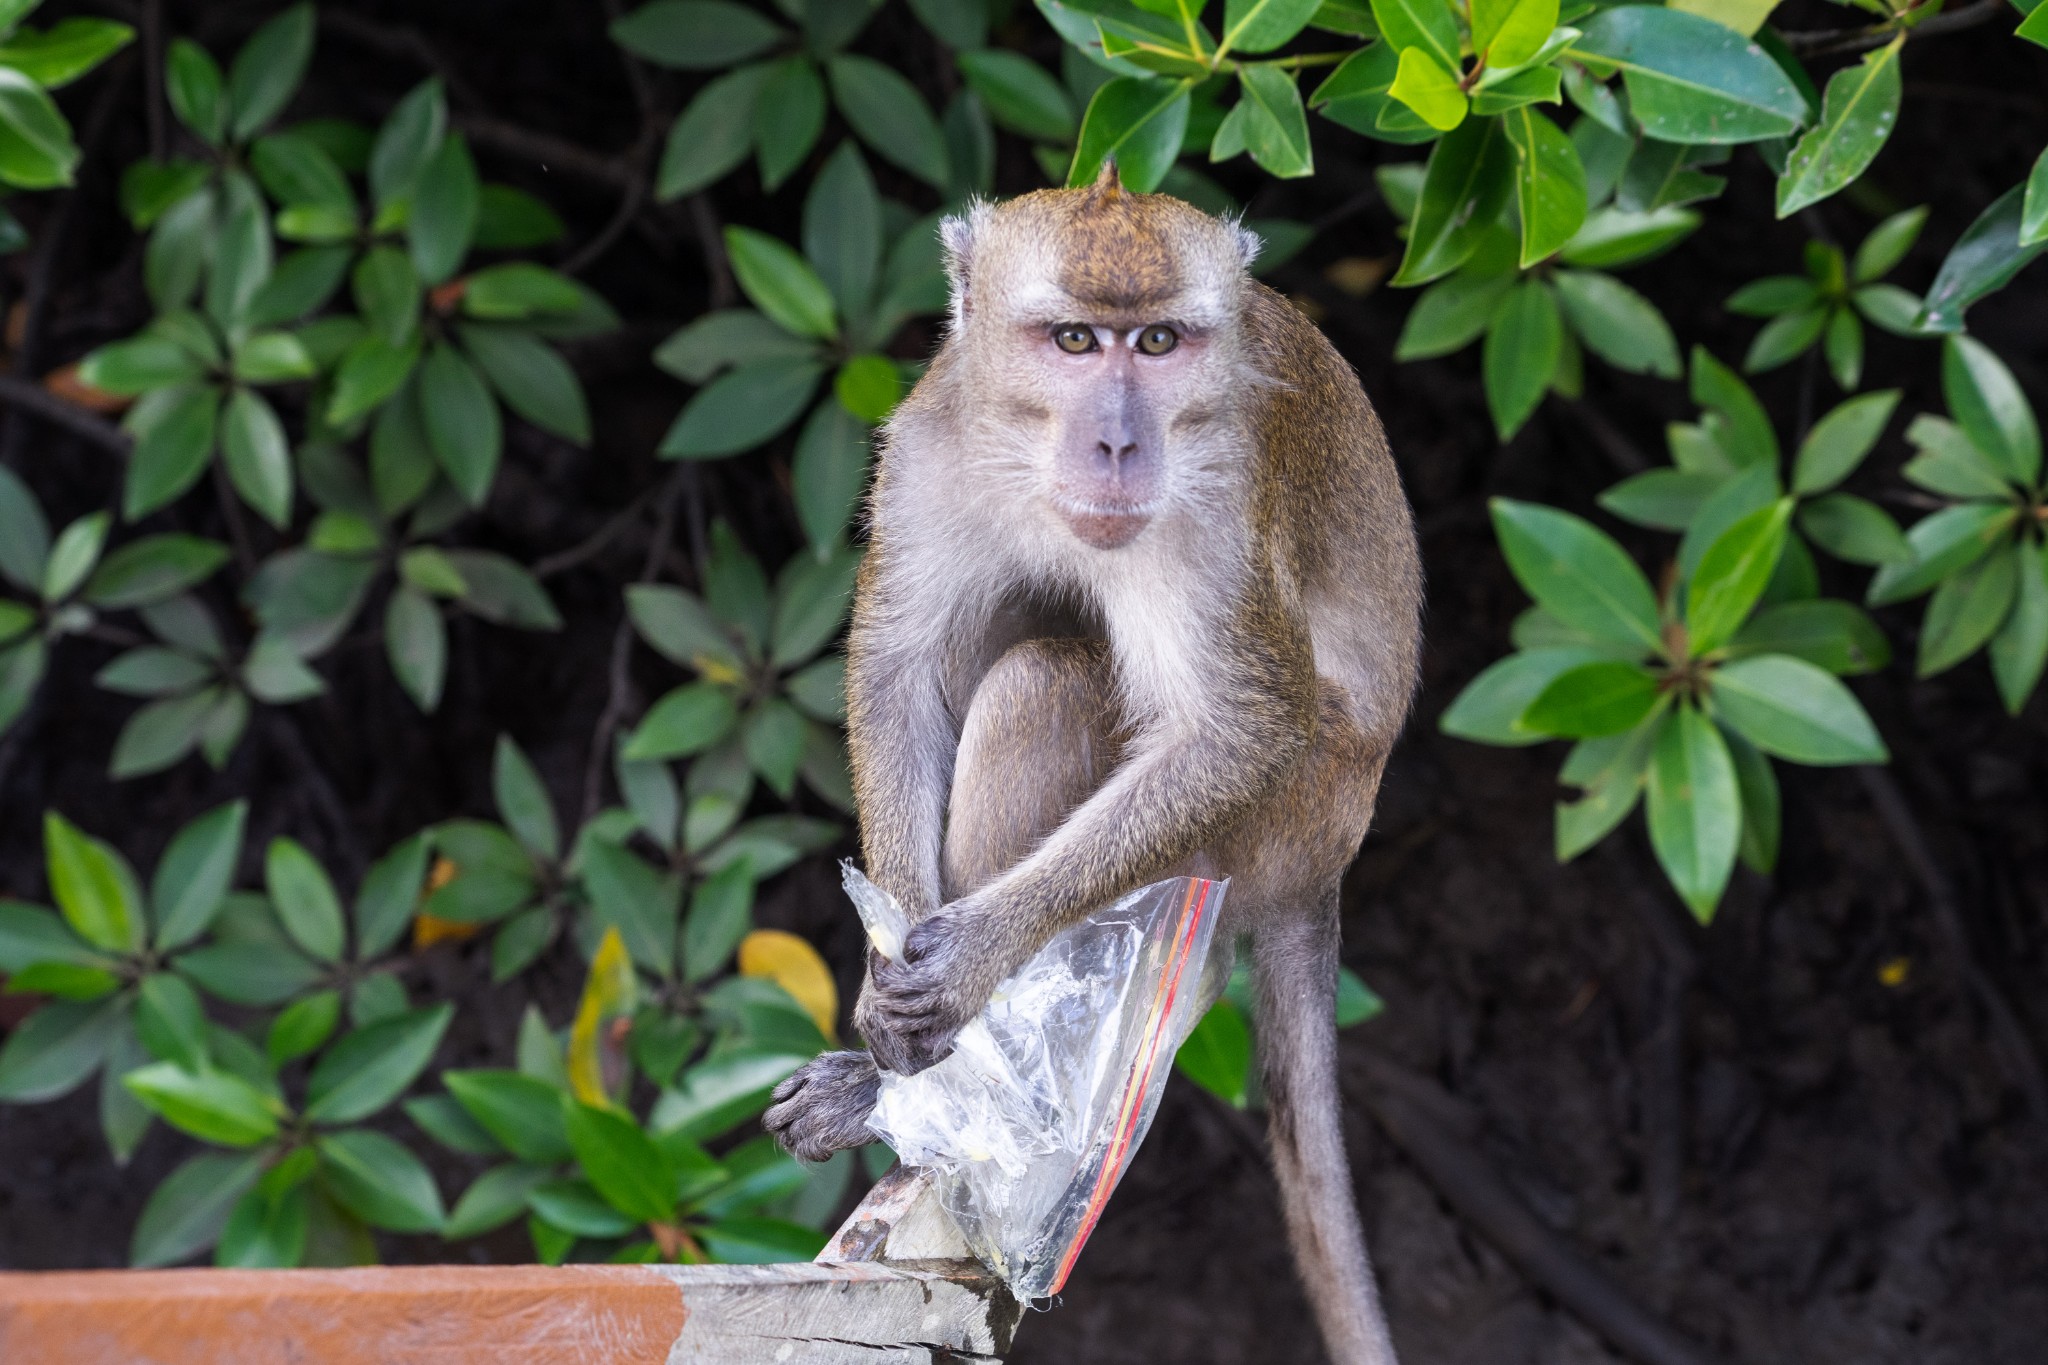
1407	1106
564	560
2009	1037
1616	446
35	400
1825	42
548	152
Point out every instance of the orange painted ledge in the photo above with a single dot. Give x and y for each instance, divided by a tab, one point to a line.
897	1290
448	1314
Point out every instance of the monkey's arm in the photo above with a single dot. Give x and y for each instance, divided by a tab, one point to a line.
1184	780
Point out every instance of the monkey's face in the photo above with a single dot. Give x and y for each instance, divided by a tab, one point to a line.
1097	329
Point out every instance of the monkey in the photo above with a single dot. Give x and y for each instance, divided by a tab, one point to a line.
1141	596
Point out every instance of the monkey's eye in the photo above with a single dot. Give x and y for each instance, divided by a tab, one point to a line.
1074	339
1158	339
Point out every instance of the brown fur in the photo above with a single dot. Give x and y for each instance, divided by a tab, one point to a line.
1224	692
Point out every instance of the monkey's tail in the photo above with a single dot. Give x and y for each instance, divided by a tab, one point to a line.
1295	968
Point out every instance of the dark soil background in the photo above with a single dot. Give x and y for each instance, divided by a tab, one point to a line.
1786	1150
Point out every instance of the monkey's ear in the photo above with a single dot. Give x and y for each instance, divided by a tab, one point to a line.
960	233
1249	243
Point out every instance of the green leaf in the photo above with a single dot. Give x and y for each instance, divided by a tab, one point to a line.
781	283
36	150
72	557
1950	463
1665	499
1943	544
1887	245
185	1214
304	899
1491	706
371	371
372	1066
462	422
521	1112
1843	346
416	643
1577	573
1854	529
773	736
387	290
890	115
1840	440
517	290
508	219
216	1106
494	1199
1218	1052
273	358
24	532
268	70
52	1051
695	35
1276	128
1463	190
1450	315
249	973
1617	324
742	409
170	1020
721	914
1837	636
29	934
1990	406
726	338
193	876
139	364
410	135
713	134
93	886
1983	260
621	1161
721	1092
842	233
174	432
303	1027
760	1241
379	1181
193	83
1262	25
532	379
577	1208
1862	105
1021	95
389	891
258	456
1550	184
60	55
788	117
2020	647
1426	86
1691	80
1611	772
1601	698
444	210
1967	609
1791	709
1772	295
688	720
152	569
523	801
1615	236
812	600
2034	205
1137	123
1695	809
682	628
1784	338
1732	575
1425	24
1521	355
632	897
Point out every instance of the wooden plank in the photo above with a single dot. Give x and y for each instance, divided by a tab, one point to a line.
899	1291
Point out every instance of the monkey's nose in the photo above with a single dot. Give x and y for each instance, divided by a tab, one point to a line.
1116	455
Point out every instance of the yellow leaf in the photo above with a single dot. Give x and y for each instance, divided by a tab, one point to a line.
609	994
795	966
427	930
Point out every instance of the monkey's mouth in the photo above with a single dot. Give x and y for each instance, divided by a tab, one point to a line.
1106	524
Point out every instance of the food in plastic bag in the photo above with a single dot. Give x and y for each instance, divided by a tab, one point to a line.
1031	1120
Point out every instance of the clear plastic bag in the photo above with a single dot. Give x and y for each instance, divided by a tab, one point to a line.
1031	1120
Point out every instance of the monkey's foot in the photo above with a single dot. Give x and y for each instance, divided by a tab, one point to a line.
824	1107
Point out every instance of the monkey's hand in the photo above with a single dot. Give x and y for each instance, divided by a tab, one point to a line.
911	1010
824	1107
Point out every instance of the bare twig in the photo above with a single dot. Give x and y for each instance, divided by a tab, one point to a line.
2009	1037
630	204
32	398
548	152
592	545
284	731
1824	42
711	242
1407	1107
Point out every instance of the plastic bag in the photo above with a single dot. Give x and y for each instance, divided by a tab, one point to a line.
1032	1118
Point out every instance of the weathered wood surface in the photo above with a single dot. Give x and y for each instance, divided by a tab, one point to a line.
898	1291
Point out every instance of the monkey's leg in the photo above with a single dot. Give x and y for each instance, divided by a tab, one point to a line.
1037	740
1294	964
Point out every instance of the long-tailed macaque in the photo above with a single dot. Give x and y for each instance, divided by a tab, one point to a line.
1141	597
